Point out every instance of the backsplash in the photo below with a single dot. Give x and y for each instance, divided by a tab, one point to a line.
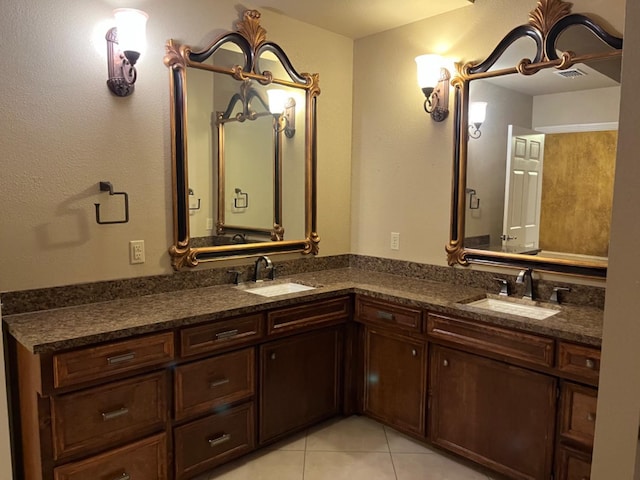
70	295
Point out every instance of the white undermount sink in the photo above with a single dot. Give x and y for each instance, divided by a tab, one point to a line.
514	307
273	290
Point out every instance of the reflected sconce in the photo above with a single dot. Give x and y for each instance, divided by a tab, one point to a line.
477	115
125	43
433	79
283	108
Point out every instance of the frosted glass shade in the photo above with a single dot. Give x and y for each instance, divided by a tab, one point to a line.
131	26
277	100
428	70
477	112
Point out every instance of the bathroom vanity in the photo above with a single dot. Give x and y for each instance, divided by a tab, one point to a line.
175	384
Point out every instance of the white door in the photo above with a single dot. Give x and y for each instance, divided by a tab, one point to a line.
523	190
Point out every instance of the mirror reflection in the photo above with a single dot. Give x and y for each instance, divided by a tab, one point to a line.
244	148
535	148
540	175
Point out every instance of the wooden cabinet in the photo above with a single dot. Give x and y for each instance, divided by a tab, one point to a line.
202	444
88	412
142	460
493	413
395	378
202	386
299	381
576	428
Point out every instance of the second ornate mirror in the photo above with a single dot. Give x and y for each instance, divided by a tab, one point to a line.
551	93
244	148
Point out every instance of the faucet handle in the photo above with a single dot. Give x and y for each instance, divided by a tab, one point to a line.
555	298
236	276
272	272
504	286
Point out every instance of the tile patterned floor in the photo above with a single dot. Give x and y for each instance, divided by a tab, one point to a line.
352	448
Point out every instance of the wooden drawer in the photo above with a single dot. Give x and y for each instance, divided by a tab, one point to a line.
90	364
112	414
579	360
213	440
143	460
573	465
218	335
578	414
320	313
388	314
493	341
203	385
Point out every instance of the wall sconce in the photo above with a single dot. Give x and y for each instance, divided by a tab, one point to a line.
283	108
477	115
125	42
433	79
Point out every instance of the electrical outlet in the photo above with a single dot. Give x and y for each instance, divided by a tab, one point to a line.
209	223
136	251
395	241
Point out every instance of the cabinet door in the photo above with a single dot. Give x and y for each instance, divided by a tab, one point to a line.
395	380
299	381
496	414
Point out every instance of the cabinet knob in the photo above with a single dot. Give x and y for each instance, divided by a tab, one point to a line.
591	416
124	476
273	355
590	363
414	352
445	363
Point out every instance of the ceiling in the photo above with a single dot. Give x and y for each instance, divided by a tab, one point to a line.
359	18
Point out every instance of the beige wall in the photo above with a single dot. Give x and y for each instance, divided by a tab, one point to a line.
619	397
63	132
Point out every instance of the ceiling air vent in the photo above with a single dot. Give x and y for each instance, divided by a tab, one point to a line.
570	73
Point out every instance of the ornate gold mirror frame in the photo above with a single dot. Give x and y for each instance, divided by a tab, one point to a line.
546	23
250	39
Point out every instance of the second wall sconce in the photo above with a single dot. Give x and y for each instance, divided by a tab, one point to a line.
125	43
283	107
477	115
433	79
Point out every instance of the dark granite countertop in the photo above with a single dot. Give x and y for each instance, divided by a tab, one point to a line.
63	328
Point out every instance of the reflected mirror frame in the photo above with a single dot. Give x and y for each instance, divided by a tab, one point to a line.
250	38
546	23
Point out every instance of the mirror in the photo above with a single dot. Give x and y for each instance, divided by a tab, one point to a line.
244	149
533	180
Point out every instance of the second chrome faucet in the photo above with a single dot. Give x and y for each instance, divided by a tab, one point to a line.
525	277
268	265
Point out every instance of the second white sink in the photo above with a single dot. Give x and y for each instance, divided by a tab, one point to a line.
513	308
274	290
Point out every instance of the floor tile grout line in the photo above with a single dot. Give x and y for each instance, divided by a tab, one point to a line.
304	456
393	465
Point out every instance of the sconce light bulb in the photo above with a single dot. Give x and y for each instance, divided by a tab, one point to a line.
277	100
131	28
429	67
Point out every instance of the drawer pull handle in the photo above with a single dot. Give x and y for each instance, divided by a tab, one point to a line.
445	363
414	352
114	414
227	334
385	315
126	357
590	363
217	383
214	442
124	476
591	416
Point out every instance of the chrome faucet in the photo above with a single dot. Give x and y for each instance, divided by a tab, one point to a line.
526	277
268	265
